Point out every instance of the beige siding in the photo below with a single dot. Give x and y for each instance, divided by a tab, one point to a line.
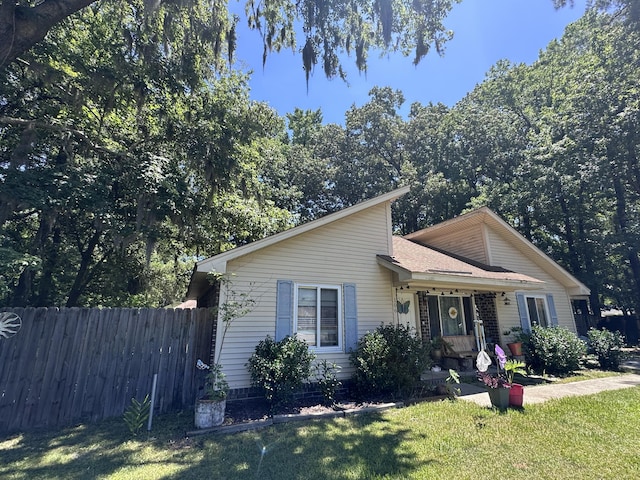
341	252
508	256
470	244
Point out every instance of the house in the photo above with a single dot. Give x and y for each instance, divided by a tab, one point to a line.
469	277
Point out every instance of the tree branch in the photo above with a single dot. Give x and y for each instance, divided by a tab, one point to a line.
21	27
61	128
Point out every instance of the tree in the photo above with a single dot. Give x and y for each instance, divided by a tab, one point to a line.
113	160
328	28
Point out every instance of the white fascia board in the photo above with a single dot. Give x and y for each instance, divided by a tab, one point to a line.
462	281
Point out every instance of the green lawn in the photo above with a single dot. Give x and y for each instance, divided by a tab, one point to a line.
594	437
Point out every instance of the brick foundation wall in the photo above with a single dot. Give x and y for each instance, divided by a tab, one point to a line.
308	391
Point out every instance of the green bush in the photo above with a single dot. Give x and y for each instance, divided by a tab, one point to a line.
553	350
389	360
327	379
280	368
607	346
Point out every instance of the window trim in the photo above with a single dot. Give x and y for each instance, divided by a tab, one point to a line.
341	319
547	311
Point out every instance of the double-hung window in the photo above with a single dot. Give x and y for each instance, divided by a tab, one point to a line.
537	310
318	316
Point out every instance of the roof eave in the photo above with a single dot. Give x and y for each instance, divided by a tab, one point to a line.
479	216
463	281
199	283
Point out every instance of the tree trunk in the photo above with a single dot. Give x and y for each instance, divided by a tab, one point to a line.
81	280
21	27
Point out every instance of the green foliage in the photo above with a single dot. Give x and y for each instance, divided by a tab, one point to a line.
280	368
389	360
216	387
120	164
327	380
453	378
178	32
554	350
513	367
137	414
439	343
607	346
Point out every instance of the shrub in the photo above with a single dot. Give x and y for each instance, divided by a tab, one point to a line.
280	368
389	360
607	346
554	350
328	383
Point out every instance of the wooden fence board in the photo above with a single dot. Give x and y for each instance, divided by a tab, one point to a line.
82	341
68	365
163	360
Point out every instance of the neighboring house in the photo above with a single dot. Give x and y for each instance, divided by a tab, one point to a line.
333	279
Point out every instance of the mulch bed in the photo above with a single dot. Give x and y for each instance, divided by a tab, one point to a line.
255	410
242	411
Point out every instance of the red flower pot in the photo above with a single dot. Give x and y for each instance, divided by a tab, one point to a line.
516	395
516	348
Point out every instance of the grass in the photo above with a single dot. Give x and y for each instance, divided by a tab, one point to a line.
591	437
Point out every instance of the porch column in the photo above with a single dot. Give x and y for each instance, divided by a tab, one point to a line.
425	329
487	312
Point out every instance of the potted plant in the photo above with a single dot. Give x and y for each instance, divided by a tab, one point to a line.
438	345
516	392
497	385
210	409
516	345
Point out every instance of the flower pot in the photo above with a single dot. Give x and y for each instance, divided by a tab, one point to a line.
516	348
436	355
499	397
516	395
209	413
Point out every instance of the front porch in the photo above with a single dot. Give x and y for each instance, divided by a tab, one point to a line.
466	321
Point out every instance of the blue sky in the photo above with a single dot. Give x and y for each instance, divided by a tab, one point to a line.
485	31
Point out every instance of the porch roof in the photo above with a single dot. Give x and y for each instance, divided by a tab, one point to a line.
418	264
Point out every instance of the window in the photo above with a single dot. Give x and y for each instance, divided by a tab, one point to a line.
450	315
318	316
537	310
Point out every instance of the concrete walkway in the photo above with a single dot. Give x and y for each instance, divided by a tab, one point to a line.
542	393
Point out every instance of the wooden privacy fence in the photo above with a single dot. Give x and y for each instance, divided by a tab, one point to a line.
67	365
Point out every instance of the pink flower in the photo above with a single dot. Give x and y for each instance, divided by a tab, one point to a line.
502	358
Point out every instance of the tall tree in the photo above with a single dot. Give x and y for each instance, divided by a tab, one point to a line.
110	153
328	28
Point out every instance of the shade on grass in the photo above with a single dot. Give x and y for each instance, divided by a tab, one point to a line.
589	437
